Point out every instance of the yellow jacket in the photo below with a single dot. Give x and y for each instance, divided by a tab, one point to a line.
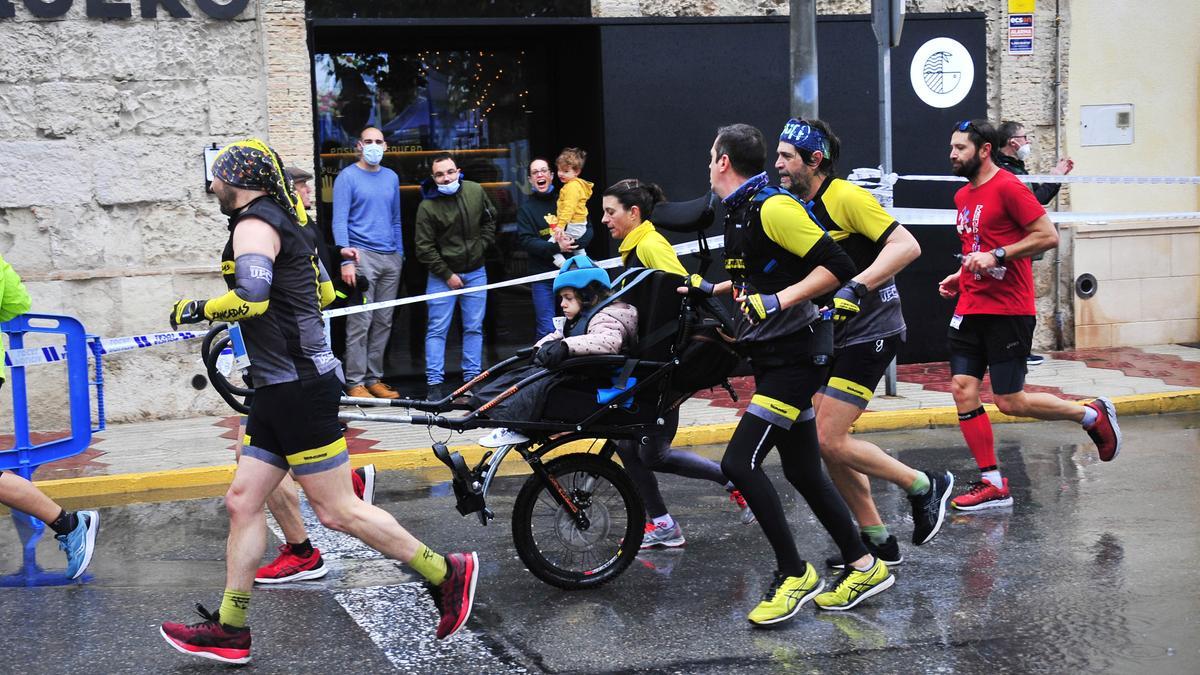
572	201
650	249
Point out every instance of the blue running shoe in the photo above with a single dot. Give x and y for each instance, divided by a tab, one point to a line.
79	544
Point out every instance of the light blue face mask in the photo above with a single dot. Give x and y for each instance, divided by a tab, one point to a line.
372	153
449	188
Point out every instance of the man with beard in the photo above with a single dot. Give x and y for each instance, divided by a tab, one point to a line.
273	274
869	329
1002	226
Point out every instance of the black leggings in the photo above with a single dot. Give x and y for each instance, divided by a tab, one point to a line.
641	461
781	415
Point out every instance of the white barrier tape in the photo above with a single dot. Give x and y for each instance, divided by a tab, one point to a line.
30	356
908	216
871	177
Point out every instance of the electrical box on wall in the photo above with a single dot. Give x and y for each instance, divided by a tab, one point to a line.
1106	124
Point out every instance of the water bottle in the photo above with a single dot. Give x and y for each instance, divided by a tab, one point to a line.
822	343
996	272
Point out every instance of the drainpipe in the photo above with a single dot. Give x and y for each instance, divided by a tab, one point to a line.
1059	327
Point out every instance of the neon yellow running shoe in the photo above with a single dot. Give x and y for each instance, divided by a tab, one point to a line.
853	587
786	596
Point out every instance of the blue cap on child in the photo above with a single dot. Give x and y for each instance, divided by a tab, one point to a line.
579	271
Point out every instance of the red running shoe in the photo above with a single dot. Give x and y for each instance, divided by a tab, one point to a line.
983	495
209	639
455	596
1105	431
737	498
363	479
290	567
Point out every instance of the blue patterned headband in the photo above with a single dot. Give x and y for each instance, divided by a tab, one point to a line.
804	136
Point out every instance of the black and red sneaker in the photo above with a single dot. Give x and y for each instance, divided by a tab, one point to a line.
1105	431
209	639
455	596
288	566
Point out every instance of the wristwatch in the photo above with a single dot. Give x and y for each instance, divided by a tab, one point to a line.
859	289
999	253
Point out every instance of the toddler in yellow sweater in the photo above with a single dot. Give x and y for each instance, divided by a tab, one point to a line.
571	217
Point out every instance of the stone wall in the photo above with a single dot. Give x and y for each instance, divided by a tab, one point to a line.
1019	87
102	202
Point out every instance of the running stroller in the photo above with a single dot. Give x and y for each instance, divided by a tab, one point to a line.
578	520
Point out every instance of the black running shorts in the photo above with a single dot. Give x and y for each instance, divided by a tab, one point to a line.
857	369
294	425
994	343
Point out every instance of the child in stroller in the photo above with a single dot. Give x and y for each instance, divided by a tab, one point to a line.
581	287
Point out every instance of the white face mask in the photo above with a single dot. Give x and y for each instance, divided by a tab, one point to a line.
449	188
372	154
1024	151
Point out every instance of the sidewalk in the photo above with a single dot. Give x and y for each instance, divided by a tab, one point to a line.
197	451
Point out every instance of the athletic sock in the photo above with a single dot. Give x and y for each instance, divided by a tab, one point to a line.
878	534
1089	416
304	549
977	430
233	608
65	523
919	486
992	475
430	565
861	568
665	521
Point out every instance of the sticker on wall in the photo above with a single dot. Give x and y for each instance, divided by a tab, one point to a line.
942	72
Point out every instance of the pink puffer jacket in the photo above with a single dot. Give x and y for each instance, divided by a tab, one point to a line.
611	331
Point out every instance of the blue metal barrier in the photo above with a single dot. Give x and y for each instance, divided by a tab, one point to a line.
25	457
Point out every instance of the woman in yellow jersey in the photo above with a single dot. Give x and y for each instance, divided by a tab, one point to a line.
628	206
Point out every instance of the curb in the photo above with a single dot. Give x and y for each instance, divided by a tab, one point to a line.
708	434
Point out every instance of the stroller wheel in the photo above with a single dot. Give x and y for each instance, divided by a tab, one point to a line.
549	538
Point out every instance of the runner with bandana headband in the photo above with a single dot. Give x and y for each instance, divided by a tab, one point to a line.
271	267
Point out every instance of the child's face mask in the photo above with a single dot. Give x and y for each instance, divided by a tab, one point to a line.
569	304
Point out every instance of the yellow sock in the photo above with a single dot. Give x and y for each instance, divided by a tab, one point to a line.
430	565
233	608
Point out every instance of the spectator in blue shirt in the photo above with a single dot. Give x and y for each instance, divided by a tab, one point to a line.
366	217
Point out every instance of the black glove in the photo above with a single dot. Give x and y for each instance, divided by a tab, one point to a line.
187	311
699	287
551	354
846	302
758	306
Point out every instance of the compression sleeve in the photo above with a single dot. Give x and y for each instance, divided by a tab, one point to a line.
253	273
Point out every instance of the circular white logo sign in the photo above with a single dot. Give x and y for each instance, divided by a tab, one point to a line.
942	72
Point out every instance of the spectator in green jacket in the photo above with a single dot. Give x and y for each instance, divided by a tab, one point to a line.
76	530
456	223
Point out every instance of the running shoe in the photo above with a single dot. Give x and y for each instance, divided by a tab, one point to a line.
667	537
501	437
455	596
291	567
983	495
209	639
747	515
929	509
1105	431
785	596
364	483
79	543
888	552
1035	360
853	587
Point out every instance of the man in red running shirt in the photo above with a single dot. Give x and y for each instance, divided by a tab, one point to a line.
1002	226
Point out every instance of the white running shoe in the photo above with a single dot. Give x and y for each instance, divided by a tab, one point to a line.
502	437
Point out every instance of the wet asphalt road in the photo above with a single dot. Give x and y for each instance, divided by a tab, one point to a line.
1092	570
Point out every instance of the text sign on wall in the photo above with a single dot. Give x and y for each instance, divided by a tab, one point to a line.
1020	33
114	9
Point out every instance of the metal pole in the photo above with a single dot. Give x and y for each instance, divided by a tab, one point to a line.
804	58
885	145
